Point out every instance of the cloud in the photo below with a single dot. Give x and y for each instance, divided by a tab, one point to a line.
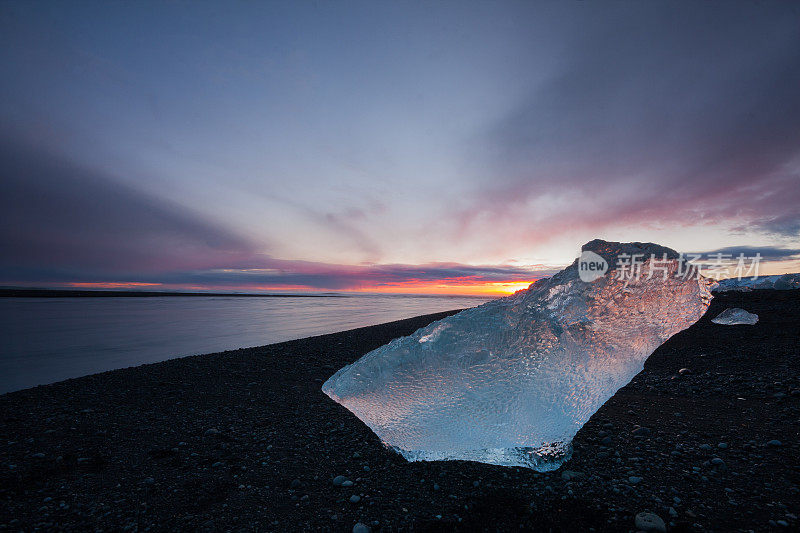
768	253
58	216
659	113
63	223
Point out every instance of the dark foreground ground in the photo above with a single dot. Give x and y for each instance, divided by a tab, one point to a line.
245	440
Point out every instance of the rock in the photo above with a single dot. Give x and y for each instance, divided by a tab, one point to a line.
683	371
356	455
571	475
347	483
722	445
775	443
650	522
295	484
212	431
355	498
641	432
361	528
705	447
338	481
634	480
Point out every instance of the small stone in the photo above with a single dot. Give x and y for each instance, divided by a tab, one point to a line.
705	447
722	445
571	475
650	522
634	480
355	498
775	443
347	483
716	461
338	481
212	431
641	432
356	455
361	528
683	371
295	484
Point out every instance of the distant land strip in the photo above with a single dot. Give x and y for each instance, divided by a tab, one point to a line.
71	293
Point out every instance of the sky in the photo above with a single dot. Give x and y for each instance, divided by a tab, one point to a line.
413	147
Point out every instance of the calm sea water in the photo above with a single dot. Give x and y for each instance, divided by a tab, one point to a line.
43	340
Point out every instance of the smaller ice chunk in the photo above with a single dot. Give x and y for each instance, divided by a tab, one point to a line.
734	316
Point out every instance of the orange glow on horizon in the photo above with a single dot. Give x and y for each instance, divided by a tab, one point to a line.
454	287
449	287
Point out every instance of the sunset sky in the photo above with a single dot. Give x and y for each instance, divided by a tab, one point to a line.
434	147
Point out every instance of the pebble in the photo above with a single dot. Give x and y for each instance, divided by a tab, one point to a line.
571	475
339	480
641	432
633	480
347	483
355	498
295	484
650	522
775	443
361	528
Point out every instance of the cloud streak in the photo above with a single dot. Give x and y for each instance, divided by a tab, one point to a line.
659	113
65	224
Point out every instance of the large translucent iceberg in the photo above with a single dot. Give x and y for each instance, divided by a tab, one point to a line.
510	382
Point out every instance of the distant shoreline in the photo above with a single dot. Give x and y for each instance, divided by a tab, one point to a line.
74	293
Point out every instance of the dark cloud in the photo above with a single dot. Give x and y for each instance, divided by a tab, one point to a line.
63	223
658	113
768	253
59	216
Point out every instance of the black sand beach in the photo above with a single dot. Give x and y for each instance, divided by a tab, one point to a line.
245	440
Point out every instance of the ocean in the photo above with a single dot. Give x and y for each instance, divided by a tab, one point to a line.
44	340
